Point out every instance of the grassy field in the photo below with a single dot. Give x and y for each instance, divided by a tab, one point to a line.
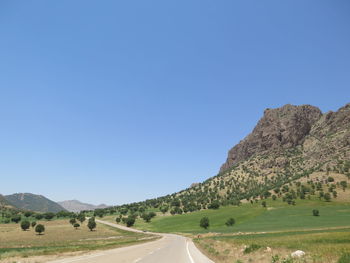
323	246
254	218
283	228
61	237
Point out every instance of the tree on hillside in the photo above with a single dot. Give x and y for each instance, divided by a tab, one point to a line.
40	229
164	209
330	179
91	224
230	222
76	225
214	205
327	197
16	218
204	223
81	217
263	203
49	215
315	212
25	225
344	185
28	213
72	221
39	216
130	221
33	224
147	217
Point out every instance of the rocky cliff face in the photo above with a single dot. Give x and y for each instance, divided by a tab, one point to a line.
319	135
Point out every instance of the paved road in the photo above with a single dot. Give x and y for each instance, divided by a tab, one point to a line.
169	249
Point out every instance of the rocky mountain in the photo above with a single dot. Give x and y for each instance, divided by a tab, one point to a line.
319	136
37	203
77	206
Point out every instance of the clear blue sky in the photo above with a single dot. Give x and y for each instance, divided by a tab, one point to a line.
119	101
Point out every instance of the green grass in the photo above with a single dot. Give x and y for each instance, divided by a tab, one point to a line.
320	246
254	218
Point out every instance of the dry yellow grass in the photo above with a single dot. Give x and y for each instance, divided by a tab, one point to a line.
61	237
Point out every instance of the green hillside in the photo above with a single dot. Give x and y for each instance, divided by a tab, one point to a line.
277	216
37	203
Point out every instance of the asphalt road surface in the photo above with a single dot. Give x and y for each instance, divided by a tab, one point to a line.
168	249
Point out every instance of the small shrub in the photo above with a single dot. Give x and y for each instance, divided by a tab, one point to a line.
330	179
251	248
315	212
204	223
230	222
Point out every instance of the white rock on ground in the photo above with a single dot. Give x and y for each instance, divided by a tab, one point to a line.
298	254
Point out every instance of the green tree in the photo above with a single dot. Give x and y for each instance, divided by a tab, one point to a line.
25	225
315	212
230	222
214	205
81	218
263	203
330	179
72	221
130	221
164	209
33	224
204	223
16	218
39	216
76	225
40	229
147	217
28	213
344	185
327	197
49	215
91	224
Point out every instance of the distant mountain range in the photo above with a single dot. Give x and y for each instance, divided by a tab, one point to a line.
32	202
39	203
4	202
77	206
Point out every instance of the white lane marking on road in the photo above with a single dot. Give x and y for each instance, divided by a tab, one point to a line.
80	258
188	252
137	260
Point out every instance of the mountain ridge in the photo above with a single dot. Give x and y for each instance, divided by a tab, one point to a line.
33	202
284	128
77	206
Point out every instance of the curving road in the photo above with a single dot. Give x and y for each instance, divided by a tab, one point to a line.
169	249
